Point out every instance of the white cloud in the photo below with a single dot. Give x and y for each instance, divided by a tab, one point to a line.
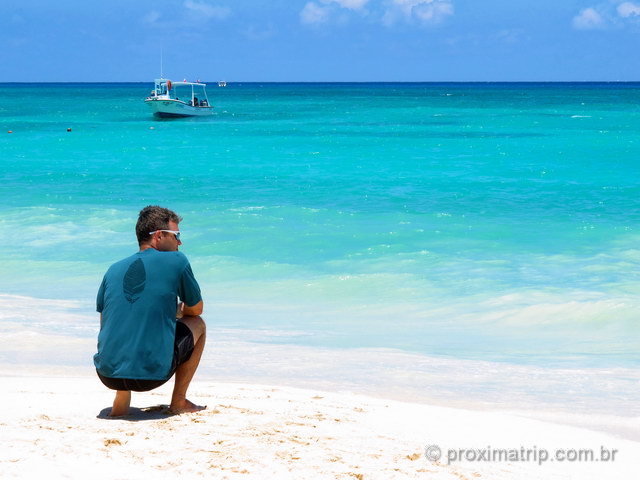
424	11
628	9
312	13
607	14
324	10
387	12
206	11
433	11
588	19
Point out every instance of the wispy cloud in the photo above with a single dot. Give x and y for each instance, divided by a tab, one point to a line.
323	11
607	14
313	13
349	4
426	12
386	12
258	34
195	13
628	10
588	19
206	11
152	17
511	36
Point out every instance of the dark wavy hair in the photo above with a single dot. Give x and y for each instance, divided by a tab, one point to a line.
153	218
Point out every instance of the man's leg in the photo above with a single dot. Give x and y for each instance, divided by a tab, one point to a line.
185	372
121	403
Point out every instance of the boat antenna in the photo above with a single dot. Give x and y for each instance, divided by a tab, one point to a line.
161	76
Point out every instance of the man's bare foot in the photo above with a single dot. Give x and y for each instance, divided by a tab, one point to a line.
185	406
121	404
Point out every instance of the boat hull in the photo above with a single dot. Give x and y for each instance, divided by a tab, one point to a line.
176	108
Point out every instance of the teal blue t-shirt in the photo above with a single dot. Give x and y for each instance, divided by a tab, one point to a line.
138	301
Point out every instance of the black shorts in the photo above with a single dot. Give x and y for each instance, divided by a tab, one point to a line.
182	350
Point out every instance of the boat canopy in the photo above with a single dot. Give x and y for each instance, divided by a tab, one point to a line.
164	84
180	84
165	89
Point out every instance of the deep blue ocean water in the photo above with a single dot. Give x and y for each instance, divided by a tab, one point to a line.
491	222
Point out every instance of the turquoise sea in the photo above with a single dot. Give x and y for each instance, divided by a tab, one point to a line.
482	226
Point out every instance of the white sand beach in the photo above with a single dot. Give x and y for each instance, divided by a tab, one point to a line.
56	426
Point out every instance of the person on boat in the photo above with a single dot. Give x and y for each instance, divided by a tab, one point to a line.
145	334
195	101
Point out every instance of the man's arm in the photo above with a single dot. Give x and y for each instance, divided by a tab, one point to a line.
193	311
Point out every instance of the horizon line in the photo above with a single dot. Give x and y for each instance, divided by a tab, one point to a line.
327	82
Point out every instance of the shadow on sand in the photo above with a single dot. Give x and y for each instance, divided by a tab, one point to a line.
157	412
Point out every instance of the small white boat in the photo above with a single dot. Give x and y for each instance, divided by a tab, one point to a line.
179	99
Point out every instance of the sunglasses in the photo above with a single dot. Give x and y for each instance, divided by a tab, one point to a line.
175	232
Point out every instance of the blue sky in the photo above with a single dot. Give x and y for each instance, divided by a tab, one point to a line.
320	40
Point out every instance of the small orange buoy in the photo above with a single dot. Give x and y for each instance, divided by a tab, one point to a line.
68	129
10	131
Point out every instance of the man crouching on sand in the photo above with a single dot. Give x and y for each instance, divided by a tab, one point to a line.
141	343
